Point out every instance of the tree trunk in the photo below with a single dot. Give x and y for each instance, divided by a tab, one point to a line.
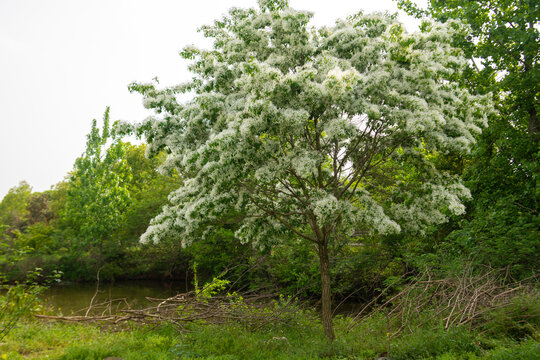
326	297
100	255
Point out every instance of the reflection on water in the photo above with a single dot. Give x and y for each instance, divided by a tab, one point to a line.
71	298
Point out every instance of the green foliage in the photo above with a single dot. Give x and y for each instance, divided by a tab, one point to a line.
234	342
358	269
13	211
220	253
528	350
37	237
17	302
98	196
430	344
20	300
503	43
294	267
213	288
82	342
38	208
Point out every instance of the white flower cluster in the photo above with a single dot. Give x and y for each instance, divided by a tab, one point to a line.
373	216
431	208
288	127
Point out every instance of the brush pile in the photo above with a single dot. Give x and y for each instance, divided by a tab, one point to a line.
253	309
459	299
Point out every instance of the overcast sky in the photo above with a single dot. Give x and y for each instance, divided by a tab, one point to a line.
63	61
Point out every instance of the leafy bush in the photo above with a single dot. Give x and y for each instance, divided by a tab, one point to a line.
19	301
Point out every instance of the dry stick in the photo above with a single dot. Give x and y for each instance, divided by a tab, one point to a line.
508	291
388	333
485	291
105	303
456	298
95	294
76	318
471	307
452	311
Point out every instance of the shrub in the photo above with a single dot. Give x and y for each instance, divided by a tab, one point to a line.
19	301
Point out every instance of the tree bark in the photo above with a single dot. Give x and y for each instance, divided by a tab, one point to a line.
326	297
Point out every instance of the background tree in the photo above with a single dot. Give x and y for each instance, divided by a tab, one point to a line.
38	208
148	190
313	134
98	195
503	48
48	235
13	207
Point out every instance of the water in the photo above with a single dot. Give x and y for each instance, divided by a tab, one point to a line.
73	299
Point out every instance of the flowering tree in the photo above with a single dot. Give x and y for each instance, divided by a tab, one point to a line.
313	133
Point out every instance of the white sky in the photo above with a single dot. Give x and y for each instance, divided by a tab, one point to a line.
63	61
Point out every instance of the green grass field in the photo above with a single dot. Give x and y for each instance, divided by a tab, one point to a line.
300	337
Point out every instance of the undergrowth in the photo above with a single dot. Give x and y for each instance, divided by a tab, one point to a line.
302	339
510	330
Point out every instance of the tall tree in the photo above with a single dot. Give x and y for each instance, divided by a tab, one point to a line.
97	195
306	133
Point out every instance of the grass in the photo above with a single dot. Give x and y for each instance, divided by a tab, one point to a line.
301	338
37	340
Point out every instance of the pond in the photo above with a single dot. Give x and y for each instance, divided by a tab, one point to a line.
74	299
71	299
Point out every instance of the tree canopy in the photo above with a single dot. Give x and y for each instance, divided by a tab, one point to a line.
98	196
13	212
